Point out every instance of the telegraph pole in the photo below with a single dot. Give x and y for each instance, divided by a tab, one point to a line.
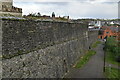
104	63
104	56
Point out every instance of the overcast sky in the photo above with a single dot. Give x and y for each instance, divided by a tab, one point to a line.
74	8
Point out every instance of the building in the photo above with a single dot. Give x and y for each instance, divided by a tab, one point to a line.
109	31
94	25
7	9
98	24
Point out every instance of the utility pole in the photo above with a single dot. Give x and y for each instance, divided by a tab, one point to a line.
104	56
104	63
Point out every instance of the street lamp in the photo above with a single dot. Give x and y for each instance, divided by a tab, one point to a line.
104	56
104	62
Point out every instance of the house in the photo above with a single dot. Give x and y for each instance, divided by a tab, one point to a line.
109	31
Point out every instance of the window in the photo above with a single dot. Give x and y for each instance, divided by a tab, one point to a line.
107	32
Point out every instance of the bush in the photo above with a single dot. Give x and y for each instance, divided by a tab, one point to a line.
112	73
112	47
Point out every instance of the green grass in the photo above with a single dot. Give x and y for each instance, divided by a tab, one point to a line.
84	59
110	58
94	45
112	72
112	51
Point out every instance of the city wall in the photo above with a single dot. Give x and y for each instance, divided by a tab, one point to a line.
10	14
7	9
42	49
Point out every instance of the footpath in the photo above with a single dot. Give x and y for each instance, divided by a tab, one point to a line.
93	68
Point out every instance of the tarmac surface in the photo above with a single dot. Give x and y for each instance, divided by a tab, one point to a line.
93	68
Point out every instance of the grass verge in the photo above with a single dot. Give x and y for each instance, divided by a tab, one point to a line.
94	45
112	51
110	58
84	59
112	73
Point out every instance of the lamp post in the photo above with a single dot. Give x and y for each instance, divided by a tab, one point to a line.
104	56
104	63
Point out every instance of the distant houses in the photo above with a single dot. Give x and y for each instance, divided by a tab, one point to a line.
106	28
109	31
96	25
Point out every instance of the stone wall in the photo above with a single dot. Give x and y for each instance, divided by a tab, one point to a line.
27	36
11	14
8	3
0	6
7	9
0	48
12	9
41	49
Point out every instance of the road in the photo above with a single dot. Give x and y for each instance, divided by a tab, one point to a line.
94	67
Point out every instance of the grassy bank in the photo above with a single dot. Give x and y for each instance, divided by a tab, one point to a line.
112	73
112	51
94	45
111	58
84	59
112	55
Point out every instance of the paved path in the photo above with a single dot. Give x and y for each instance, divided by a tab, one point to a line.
93	69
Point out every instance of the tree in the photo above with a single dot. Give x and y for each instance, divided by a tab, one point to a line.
38	14
53	14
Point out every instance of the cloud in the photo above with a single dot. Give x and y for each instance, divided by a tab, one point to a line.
75	9
66	0
97	10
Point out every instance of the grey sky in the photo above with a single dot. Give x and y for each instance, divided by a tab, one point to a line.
73	8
